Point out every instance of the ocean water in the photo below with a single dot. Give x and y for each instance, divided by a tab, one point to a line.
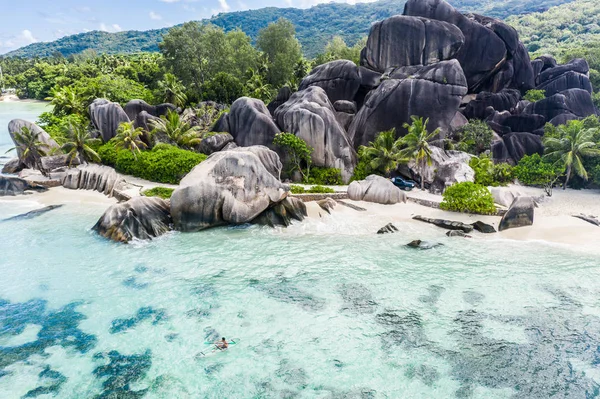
323	309
16	110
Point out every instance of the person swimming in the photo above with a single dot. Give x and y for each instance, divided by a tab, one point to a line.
222	344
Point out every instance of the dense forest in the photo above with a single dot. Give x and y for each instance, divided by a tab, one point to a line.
314	26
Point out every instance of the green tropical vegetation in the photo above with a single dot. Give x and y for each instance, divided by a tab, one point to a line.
161	192
487	173
295	189
80	144
298	153
475	137
416	144
130	138
176	130
468	197
30	146
383	155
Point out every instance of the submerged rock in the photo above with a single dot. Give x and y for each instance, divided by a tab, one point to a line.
457	233
388	228
34	213
418	244
141	217
230	187
11	186
520	214
446	224
376	189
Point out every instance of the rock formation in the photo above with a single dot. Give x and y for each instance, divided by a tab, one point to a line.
103	179
140	217
340	79
48	143
11	186
250	123
106	117
520	214
309	115
376	189
230	187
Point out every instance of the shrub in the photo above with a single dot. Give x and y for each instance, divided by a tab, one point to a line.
362	169
163	164
325	176
313	190
298	153
489	174
533	170
475	137
535	95
162	192
468	197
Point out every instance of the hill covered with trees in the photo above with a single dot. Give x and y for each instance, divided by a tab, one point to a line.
315	26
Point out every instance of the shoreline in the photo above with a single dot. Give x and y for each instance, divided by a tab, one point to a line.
553	221
15	99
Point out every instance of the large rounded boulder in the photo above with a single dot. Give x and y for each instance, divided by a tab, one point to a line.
11	186
434	92
404	40
230	187
106	117
520	214
140	218
376	189
340	79
512	147
250	123
48	143
310	116
577	102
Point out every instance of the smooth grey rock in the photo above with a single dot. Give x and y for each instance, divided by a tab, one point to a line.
250	123
505	100
48	143
283	213
309	115
11	186
376	189
404	41
457	233
106	117
143	218
230	187
13	166
439	157
512	147
340	79
435	92
103	179
387	229
214	143
446	224
484	227
455	170
566	81
348	107
327	204
283	95
520	214
54	162
505	196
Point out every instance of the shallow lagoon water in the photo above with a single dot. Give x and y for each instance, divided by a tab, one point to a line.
16	110
323	309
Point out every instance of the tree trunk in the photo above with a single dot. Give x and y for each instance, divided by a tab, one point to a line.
422	177
568	177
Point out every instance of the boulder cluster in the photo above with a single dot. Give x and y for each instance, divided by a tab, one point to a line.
432	62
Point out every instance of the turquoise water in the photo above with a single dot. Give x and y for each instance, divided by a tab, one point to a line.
16	110
323	309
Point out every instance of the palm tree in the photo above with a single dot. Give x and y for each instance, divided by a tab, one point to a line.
78	144
574	143
30	146
416	144
172	90
66	101
177	130
128	137
256	86
384	153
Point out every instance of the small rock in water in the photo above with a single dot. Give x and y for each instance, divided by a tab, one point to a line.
484	227
388	228
457	233
418	244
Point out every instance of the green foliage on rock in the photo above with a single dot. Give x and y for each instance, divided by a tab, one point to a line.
312	190
534	95
475	137
468	197
163	164
161	192
381	155
489	174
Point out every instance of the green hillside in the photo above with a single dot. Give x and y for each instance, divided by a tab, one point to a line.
572	25
314	26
